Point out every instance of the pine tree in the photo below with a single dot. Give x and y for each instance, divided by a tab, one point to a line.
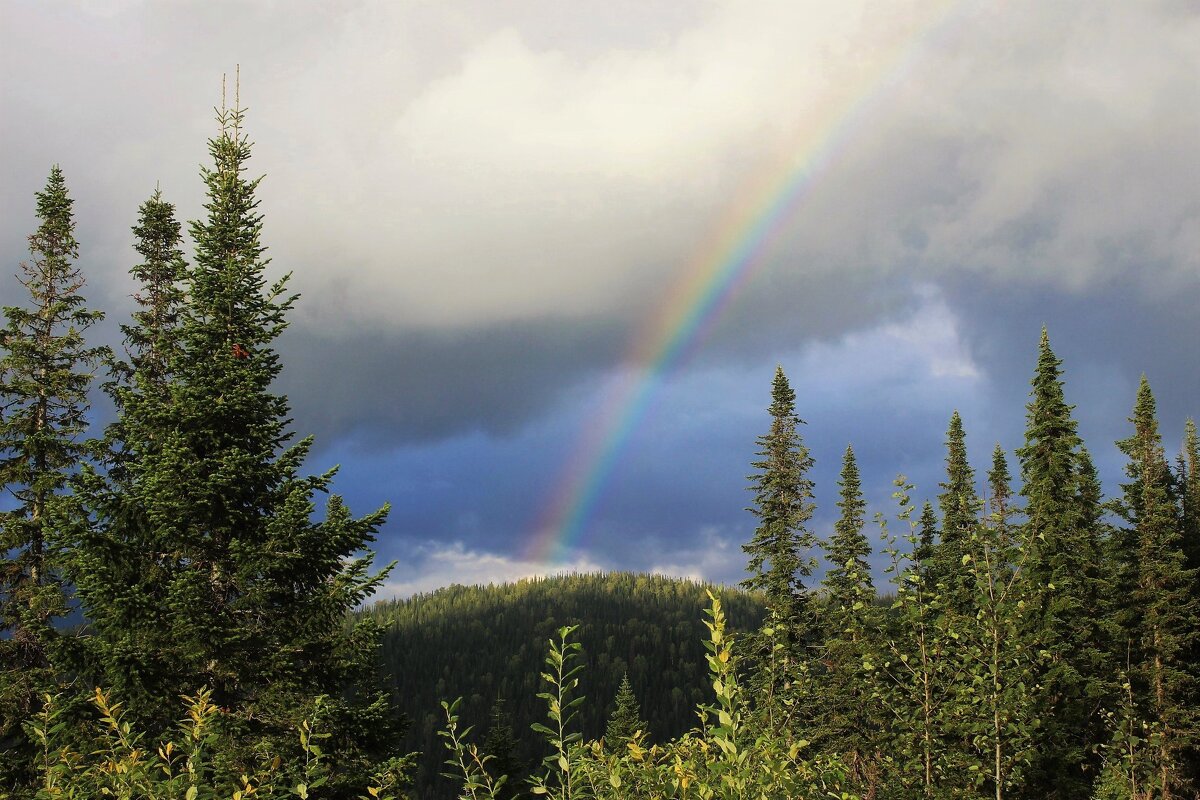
152	339
848	582
849	724
44	379
779	560
626	719
121	563
254	592
1188	480
1188	490
960	514
500	745
1064	551
1165	681
927	538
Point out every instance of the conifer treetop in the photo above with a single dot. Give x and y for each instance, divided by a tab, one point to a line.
783	495
849	578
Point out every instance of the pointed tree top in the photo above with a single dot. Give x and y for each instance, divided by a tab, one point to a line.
1144	408
783	397
999	463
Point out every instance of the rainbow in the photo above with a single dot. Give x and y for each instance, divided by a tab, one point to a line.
710	282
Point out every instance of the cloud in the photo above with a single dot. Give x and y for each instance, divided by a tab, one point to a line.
433	565
435	170
716	557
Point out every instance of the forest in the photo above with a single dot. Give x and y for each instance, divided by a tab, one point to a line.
1033	638
486	644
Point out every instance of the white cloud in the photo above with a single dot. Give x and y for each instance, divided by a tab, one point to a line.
717	558
923	349
432	565
441	166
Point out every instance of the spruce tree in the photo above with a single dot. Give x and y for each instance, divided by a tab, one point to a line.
254	592
1188	480
1164	635
121	563
960	514
1064	551
626	719
927	538
500	746
849	724
779	560
45	373
152	340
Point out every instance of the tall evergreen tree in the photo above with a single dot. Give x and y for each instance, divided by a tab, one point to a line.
849	723
45	373
848	582
927	537
626	719
779	560
1189	494
255	593
152	340
122	564
500	746
1064	549
960	514
1169	622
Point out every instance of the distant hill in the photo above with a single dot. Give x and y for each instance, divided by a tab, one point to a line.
487	642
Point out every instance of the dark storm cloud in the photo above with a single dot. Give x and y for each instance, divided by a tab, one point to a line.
386	388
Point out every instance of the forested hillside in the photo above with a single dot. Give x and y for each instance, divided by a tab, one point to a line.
487	643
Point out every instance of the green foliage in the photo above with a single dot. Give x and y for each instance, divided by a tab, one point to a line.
960	507
1062	534
916	675
783	493
119	761
202	562
727	756
467	761
562	711
1165	686
44	379
121	563
995	693
780	561
488	642
849	722
626	721
501	746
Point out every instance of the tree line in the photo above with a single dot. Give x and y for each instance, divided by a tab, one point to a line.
1042	641
1039	639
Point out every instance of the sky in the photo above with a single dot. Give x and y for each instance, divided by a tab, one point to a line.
550	254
